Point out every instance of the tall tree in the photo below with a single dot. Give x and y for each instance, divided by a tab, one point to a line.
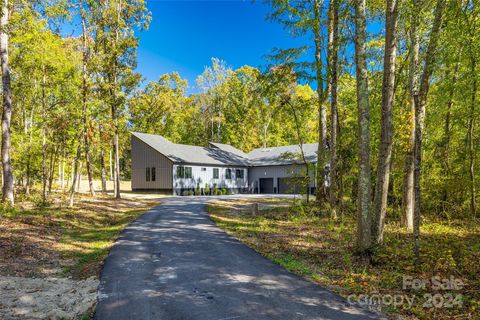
420	101
386	131
408	186
363	105
333	44
7	190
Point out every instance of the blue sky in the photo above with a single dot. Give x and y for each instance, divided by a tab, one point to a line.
184	35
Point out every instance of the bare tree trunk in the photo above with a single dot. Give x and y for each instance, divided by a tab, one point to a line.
53	163
473	205
447	131
420	108
110	167
333	81
79	179
75	170
364	175
322	112
102	160
408	187
386	131
86	141
7	189
44	139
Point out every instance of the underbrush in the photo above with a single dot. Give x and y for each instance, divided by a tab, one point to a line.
313	245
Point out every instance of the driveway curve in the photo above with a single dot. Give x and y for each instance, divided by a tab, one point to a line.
175	263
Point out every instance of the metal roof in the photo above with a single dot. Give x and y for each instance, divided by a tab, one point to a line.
224	154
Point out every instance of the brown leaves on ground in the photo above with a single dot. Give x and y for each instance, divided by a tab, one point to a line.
323	250
56	240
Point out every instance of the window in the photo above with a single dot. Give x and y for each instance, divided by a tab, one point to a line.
153	173
147	174
215	173
180	172
184	172
188	172
239	173
228	174
204	169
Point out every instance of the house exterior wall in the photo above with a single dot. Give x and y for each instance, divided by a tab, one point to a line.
275	172
206	176
144	156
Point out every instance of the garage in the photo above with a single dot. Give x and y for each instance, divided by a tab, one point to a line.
266	185
290	185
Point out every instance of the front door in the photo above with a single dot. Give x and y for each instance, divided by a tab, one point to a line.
266	185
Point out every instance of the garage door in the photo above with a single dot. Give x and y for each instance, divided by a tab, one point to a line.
266	185
289	185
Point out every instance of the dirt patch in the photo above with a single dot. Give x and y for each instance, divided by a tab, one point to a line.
48	298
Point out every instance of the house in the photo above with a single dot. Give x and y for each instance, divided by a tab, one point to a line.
163	166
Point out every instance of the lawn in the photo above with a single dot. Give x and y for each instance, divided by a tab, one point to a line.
322	250
39	240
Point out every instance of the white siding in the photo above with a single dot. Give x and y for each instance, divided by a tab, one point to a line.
275	172
203	177
144	156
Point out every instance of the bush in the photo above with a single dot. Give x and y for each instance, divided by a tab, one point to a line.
224	191
198	191
188	193
215	189
207	189
218	192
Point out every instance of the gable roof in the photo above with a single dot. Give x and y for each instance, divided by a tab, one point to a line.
182	153
229	148
224	154
274	156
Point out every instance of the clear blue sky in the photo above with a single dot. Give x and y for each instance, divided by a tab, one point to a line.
184	36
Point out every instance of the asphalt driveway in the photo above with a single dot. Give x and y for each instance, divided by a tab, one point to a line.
174	263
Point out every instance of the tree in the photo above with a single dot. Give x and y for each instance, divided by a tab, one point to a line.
364	175
7	190
386	131
420	102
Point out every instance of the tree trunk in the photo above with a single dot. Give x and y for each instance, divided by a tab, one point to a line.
420	101
84	103
333	80
7	189
447	131
409	168
386	131
322	112
102	160
473	206
75	170
364	174
44	139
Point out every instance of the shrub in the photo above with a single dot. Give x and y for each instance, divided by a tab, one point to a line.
188	193
224	191
218	192
198	191
207	189
215	189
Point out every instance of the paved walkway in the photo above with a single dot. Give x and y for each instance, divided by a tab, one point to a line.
174	263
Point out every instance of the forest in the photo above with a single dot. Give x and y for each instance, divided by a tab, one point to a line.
388	89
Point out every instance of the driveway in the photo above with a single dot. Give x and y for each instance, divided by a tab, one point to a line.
174	263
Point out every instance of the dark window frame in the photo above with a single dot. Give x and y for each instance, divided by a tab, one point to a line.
216	173
147	174
153	174
188	173
180	172
228	174
239	173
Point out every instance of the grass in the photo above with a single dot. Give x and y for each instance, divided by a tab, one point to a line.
323	251
55	240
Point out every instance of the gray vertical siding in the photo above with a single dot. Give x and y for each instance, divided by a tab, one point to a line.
275	172
144	156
